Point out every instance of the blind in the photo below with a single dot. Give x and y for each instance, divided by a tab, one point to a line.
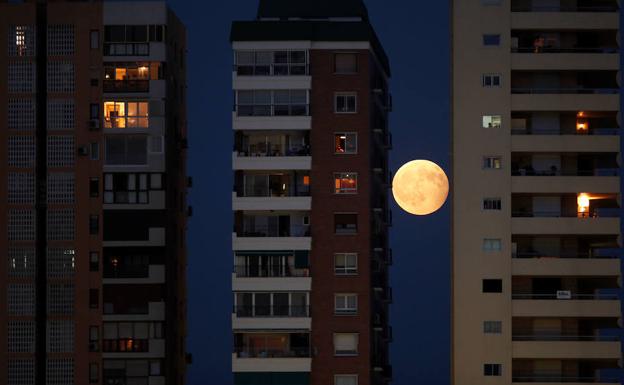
345	342
346	380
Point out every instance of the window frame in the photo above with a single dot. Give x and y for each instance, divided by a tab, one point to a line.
492	204
346	94
346	134
353	353
357	64
492	327
355	232
344	190
346	310
495	36
500	117
491	160
346	270
492	241
493	290
350	376
491	77
492	370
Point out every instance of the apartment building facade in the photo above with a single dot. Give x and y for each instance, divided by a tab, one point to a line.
536	244
310	162
93	193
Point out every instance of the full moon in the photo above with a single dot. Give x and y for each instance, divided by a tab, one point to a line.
420	187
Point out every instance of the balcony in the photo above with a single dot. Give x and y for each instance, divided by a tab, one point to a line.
566	266
572	6
567	349
275	311
566	126
580	15
271	63
134	348
564	370
134	274
154	311
561	379
271	352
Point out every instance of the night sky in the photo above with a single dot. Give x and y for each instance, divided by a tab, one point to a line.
416	37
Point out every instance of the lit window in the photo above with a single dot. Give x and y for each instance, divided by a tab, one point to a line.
345	264
492	369
126	115
492	245
491	80
492	204
492	121
492	162
345	304
345	183
345	143
346	344
345	103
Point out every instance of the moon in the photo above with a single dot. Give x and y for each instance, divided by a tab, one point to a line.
420	187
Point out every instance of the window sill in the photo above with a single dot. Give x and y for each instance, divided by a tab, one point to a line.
346	275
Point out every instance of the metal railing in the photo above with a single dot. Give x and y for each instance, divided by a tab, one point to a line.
247	271
276	311
138	271
570	90
266	192
272	109
561	378
554	296
546	337
528	171
598	213
126	49
298	69
270	352
558	131
135	85
563	8
570	255
123	345
533	49
274	231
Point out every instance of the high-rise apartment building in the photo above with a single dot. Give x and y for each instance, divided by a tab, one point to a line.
92	193
536	220
310	199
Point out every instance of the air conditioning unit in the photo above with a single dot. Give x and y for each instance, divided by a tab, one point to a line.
83	150
94	124
564	294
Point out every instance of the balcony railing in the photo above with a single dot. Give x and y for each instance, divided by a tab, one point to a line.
126	49
561	378
263	149
555	296
598	213
564	255
546	337
271	231
567	90
276	311
125	345
533	49
529	171
272	70
247	271
272	110
563	8
559	131
123	86
272	192
138	271
271	352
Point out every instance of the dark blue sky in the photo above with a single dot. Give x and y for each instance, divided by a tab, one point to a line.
415	35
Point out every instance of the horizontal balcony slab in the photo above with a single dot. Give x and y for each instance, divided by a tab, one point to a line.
565	308
271	364
565	184
546	226
271	162
270	243
156	350
565	102
559	383
156	312
155	274
271	82
565	143
565	266
565	20
272	284
276	323
271	203
565	61
271	122
566	349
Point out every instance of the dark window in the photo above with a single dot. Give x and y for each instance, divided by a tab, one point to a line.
94	373
94	111
94	298
94	339
94	224
115	33
492	204
94	151
345	223
492	285
492	369
94	187
136	33
94	261
95	82
345	63
95	39
491	40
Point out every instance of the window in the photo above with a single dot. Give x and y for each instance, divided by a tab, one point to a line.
345	304
345	183
345	103
61	336
61	299
130	188
60	39
61	114
61	151
493	121
21	371
156	144
21	114
21	336
346	379
265	63
492	204
94	39
272	103
61	76
61	224
492	245
94	261
21	299
61	262
126	150
345	63
345	223
345	143
21	151
94	151
126	115
491	40
94	111
492	327
21	77
346	344
491	2
492	285
94	187
21	188
345	264
21	40
94	298
94	373
60	187
491	80
492	162
60	371
94	224
21	262
492	369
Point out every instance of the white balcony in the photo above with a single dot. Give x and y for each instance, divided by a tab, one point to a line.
267	323
565	143
270	243
271	82
271	364
271	122
271	162
270	203
271	284
156	237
